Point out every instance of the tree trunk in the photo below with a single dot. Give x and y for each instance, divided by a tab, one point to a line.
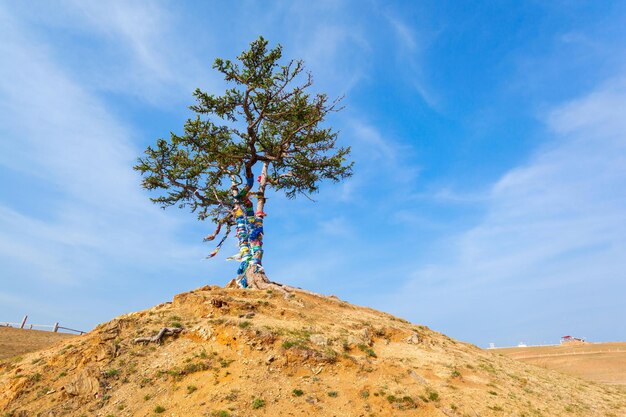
244	245
256	278
250	235
250	273
256	226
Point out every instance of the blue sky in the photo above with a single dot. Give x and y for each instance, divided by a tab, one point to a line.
489	194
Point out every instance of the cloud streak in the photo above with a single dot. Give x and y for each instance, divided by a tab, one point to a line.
553	237
84	221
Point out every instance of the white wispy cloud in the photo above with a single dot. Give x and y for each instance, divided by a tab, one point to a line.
410	47
381	159
378	148
138	50
86	221
553	236
405	34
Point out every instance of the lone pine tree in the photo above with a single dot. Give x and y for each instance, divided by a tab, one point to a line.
267	123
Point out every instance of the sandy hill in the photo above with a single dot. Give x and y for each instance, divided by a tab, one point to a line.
15	342
257	353
601	362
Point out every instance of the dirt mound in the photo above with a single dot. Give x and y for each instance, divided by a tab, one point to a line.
256	353
15	342
600	362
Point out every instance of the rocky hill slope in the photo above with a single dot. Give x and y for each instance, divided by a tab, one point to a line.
257	353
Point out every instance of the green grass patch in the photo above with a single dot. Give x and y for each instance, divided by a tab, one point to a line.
232	395
188	369
225	363
368	351
487	367
432	395
35	377
402	403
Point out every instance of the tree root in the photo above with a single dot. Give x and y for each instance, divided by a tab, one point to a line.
256	279
158	338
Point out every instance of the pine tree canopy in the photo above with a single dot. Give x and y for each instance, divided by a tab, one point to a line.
267	118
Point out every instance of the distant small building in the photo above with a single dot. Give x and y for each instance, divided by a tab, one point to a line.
522	344
572	340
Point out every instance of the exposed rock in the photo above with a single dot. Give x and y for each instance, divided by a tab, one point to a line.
319	339
102	352
414	339
202	332
249	306
380	332
362	337
264	337
353	340
217	303
418	378
110	331
84	384
367	337
296	301
448	412
232	284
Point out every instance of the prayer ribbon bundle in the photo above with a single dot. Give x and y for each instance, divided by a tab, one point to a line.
249	233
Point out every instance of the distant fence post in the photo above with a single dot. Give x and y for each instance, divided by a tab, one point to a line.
23	322
56	327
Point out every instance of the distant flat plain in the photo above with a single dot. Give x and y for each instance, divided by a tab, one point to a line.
15	342
600	362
